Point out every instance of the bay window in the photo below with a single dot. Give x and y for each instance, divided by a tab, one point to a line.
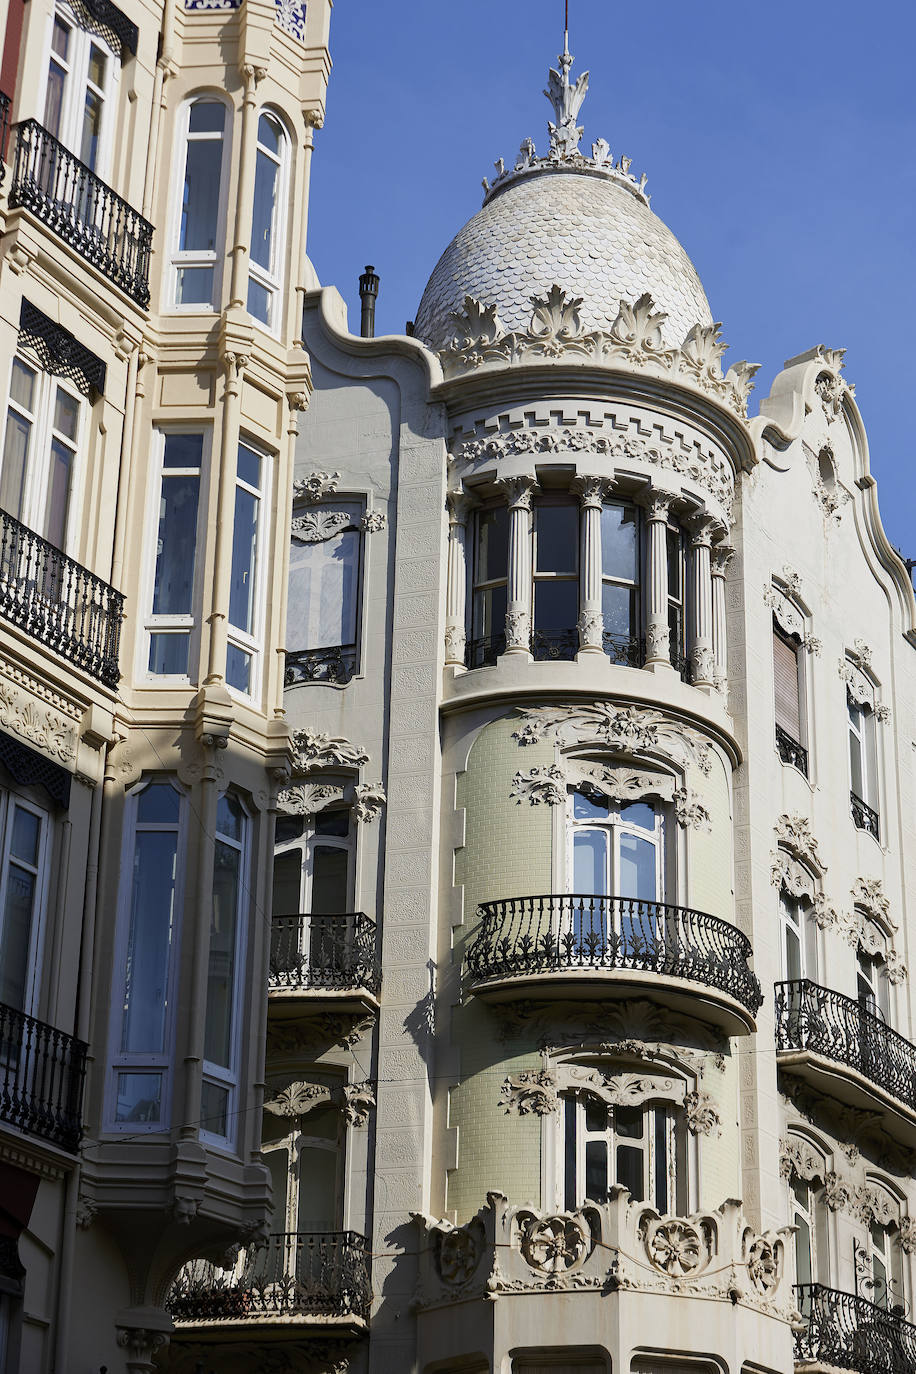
556	579
620	564
642	1148
199	231
268	223
171	623
247	558
146	957
23	881
79	103
41	440
227	931
324	587
490	580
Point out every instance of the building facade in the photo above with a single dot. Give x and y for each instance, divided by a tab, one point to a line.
154	208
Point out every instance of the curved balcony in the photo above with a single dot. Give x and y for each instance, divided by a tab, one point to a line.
843	1331
323	963
841	1048
556	947
294	1280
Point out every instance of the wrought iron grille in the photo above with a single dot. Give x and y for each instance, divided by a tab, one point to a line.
336	665
529	935
59	351
809	1017
75	204
680	662
626	652
323	952
554	644
849	1332
58	601
301	1274
105	19
864	817
4	131
41	1079
790	751
483	653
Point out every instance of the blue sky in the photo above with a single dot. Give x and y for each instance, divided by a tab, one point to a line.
779	140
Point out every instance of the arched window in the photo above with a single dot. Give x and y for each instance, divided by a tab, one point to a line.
313	928
879	1264
268	222
615	865
199	232
643	1147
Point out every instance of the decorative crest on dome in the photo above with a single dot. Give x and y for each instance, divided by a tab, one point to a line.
567	102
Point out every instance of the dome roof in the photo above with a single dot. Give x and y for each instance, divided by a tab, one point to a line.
588	234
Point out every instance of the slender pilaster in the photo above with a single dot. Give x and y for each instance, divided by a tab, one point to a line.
518	492
459	508
722	555
591	492
658	636
702	657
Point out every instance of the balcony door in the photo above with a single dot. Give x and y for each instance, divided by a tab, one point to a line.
81	73
616	866
313	891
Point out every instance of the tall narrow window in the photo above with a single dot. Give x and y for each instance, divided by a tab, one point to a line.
642	1148
620	556
143	1013
556	580
872	987
786	680
306	1166
244	592
23	836
41	439
886	1262
80	76
220	1073
809	1215
798	937
323	616
265	272
616	867
201	216
488	602
863	772
677	620
171	623
313	894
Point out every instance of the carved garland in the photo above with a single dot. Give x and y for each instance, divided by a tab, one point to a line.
787	614
355	1100
629	729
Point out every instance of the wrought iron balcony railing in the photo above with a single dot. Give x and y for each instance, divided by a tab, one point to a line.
821	1021
296	1274
790	751
562	644
864	817
335	665
81	209
483	652
41	1079
559	934
59	602
625	651
323	953
4	131
848	1332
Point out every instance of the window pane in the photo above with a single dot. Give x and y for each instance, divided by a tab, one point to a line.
557	536
855	765
596	1170
793	955
168	654
66	412
97	65
590	861
287	883
595	1114
317	1188
638	813
277	1162
54	97
207	117
183	451
158	804
802	1249
174	580
269	133
244	560
149	943
589	808
630	1171
618	609
57	503
92	128
570	1166
637	879
259	301
249	466
230	817
200	205
262	223
221	968
26	836
661	1162
330	867
15	457
289	828
238	669
22	385
195	286
332	823
675	563
214	1108
619	545
16	934
60	38
556	605
489	612
322	594
139	1097
492	544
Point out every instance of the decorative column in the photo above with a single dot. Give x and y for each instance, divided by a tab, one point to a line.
591	492
722	555
518	492
702	658
459	508
658	634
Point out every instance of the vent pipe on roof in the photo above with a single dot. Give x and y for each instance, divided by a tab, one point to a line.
368	291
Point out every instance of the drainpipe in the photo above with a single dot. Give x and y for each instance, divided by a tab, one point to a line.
368	291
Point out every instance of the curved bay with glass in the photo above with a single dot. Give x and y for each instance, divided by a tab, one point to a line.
199	233
268	222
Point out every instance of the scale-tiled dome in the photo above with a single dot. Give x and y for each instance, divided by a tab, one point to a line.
588	234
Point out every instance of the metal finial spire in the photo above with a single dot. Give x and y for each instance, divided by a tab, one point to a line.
566	101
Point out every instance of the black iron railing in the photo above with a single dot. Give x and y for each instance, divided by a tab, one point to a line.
790	751
865	818
552	934
625	651
4	131
483	652
849	1332
41	1079
59	602
329	953
809	1017
335	665
680	662
562	644
80	208
301	1274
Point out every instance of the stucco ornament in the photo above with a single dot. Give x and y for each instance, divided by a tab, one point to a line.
308	798
314	750
317	486
530	1093
369	798
688	811
838	1194
619	784
359	1099
629	729
868	893
830	495
763	1263
298	1099
702	1114
547	784
373	521
907	1235
567	102
797	1157
676	1246
896	968
555	1244
51	732
794	832
870	1204
622	1089
831	386
317	526
459	1255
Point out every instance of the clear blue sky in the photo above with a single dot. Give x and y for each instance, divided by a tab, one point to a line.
779	140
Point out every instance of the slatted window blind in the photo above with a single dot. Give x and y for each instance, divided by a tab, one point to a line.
785	672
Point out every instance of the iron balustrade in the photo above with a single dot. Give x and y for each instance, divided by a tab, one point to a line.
336	664
625	651
809	1017
328	953
59	602
557	934
483	652
294	1274
4	131
790	751
865	818
42	1071
81	209
554	644
849	1332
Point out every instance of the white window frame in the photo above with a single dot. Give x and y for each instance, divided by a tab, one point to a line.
675	1130
10	799
272	279
291	1145
887	1254
305	844
253	643
77	81
163	624
219	1075
802	929
864	734
43	433
122	1061
179	258
619	827
355	507
814	1215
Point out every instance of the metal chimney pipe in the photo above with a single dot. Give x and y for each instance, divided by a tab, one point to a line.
368	291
